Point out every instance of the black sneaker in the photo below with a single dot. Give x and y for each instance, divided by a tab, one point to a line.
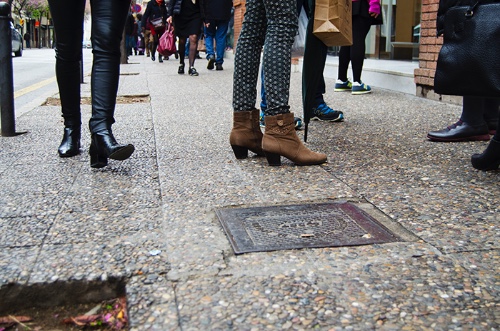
218	66
181	69
192	72
211	62
152	57
325	113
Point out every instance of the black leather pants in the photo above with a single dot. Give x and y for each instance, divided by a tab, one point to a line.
108	21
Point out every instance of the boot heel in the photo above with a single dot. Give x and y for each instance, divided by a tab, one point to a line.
96	160
240	152
273	159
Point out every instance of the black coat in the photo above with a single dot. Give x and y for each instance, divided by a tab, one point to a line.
218	10
154	11
174	7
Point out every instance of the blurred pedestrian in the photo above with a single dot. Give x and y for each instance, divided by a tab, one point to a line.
365	13
155	17
27	39
130	34
217	17
107	30
187	17
271	24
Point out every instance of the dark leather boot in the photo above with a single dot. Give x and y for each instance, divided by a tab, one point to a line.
246	134
104	146
489	159
70	144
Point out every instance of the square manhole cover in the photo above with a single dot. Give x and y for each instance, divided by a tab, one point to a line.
301	226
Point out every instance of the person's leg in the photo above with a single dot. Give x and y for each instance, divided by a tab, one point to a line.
108	21
282	27
247	58
491	113
360	28
344	60
193	45
154	45
280	138
220	39
490	158
470	127
209	44
182	54
246	134
147	42
69	30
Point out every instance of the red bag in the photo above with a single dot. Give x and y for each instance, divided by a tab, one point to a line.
166	44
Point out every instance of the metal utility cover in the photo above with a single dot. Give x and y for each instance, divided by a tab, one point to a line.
301	226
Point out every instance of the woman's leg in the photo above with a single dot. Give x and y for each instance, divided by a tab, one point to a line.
108	21
282	24
182	49
69	32
344	60
247	58
193	47
360	28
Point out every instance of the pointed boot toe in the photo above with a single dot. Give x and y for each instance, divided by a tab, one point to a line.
104	146
280	139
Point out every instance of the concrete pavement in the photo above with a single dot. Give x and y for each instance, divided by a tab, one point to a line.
147	226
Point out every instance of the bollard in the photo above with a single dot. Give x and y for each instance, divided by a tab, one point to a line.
7	118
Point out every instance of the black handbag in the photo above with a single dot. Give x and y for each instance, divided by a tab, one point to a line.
469	61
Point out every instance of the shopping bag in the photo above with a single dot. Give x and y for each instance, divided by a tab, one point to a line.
333	22
201	44
166	44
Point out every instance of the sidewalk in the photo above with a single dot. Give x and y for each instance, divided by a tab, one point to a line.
148	226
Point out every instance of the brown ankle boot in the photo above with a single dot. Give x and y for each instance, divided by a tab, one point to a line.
280	139
246	134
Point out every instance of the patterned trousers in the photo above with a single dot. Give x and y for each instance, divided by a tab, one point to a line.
271	24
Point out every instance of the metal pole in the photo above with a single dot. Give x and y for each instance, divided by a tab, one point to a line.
8	127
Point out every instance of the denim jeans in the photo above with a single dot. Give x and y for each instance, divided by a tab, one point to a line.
272	24
216	30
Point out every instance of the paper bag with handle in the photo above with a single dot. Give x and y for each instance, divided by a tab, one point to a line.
333	22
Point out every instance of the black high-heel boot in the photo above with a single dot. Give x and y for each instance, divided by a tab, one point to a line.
489	159
70	144
104	146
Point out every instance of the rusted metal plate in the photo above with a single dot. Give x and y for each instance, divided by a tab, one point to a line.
301	226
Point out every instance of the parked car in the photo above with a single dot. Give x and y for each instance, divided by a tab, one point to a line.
17	41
